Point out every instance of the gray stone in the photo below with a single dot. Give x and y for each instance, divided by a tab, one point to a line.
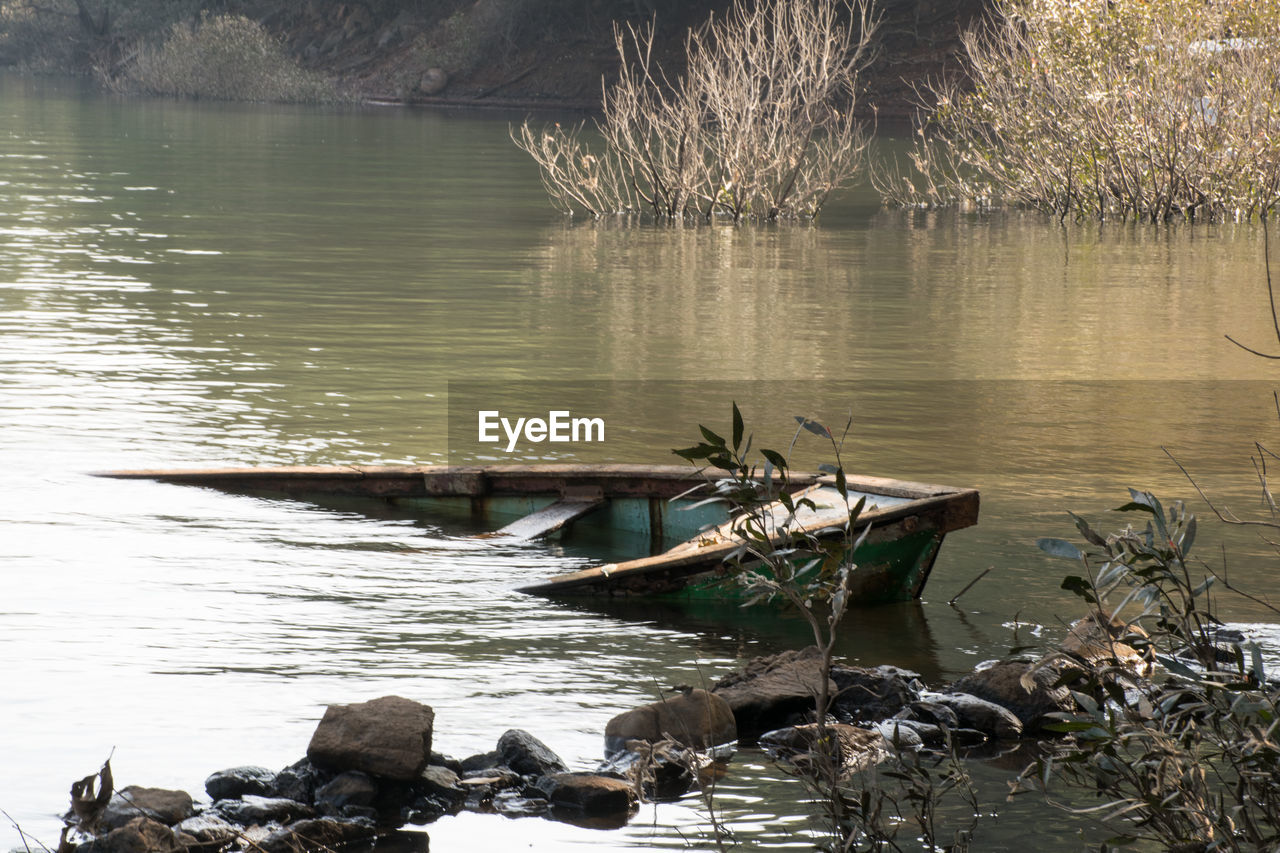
479	761
589	793
251	810
317	834
899	734
974	713
299	781
208	831
238	781
527	755
352	788
166	806
441	782
388	737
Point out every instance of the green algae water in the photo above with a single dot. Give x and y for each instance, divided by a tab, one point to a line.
197	285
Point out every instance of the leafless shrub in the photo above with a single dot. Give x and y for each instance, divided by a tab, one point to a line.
1145	110
759	126
224	57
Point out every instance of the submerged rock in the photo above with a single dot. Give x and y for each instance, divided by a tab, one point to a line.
694	718
388	737
526	755
664	770
167	806
238	781
589	793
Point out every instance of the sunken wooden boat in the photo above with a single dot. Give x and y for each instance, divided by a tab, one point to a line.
687	538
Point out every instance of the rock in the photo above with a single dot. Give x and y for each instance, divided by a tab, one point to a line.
695	718
516	804
318	834
168	807
849	747
352	788
931	713
900	734
1001	683
238	781
664	770
208	831
441	760
441	782
773	692
480	761
872	695
589	793
389	737
252	810
927	733
300	780
1097	644
527	755
433	81
138	835
974	713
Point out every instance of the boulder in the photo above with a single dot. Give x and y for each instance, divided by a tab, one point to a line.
900	734
974	713
168	807
318	834
775	691
352	788
591	794
479	761
850	748
238	781
528	756
872	695
694	718
930	713
1001	683
388	737
252	810
207	831
138	835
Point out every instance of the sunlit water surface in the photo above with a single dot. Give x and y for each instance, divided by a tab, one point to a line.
198	285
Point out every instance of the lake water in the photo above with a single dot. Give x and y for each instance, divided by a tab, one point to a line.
201	284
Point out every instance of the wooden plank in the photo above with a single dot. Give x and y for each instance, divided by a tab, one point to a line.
549	519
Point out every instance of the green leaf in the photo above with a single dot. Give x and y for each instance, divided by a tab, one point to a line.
711	437
842	485
737	427
1188	536
1087	532
1059	548
700	451
1133	506
778	460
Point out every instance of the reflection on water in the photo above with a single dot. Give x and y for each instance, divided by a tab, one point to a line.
188	284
